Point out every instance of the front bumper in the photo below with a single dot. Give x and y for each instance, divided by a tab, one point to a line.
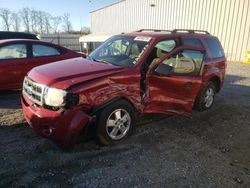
62	127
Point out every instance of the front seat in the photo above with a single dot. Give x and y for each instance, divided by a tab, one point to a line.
184	65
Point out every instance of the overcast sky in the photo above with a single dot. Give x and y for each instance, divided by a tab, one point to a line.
78	9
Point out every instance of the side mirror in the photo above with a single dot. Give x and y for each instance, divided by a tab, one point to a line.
164	69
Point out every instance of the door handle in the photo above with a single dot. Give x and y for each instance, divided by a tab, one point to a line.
189	85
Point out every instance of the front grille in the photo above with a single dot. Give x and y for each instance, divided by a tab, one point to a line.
33	91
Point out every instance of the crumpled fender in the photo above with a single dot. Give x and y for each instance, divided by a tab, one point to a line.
79	121
62	127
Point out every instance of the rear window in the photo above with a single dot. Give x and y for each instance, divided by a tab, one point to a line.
191	42
215	47
42	50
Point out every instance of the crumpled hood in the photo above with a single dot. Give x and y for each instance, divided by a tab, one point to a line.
63	74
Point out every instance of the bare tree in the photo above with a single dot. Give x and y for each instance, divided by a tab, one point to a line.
5	14
26	17
34	21
85	30
40	21
55	22
47	19
15	21
67	26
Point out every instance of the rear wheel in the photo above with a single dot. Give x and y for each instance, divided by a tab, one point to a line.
205	99
115	122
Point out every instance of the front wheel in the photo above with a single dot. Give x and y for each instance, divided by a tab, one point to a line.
205	99
115	122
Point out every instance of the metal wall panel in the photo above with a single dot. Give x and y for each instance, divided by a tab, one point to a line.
229	20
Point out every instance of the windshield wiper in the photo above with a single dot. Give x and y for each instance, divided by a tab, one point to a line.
101	61
98	60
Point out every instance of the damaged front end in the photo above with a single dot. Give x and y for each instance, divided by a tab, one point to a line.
53	113
61	126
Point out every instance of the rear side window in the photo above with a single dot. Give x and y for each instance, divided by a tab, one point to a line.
42	50
215	47
15	51
191	42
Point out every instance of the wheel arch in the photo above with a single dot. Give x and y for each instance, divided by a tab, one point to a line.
216	80
113	100
90	129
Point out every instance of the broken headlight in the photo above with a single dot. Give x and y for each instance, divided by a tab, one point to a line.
59	98
54	97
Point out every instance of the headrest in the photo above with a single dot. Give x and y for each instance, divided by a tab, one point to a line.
159	53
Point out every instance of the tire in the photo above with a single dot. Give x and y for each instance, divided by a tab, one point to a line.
115	122
205	99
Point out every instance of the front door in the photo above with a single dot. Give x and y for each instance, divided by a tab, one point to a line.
13	60
174	92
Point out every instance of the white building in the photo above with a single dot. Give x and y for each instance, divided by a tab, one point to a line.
229	20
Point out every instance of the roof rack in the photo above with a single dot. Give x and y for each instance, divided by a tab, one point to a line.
154	30
190	31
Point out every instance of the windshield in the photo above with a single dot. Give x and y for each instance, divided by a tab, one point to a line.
121	50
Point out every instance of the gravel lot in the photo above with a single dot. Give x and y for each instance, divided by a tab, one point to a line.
211	149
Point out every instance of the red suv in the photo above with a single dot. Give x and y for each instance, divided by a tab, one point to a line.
128	75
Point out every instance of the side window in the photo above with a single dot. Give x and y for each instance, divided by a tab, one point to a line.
42	50
215	47
191	42
187	62
15	51
166	46
160	49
